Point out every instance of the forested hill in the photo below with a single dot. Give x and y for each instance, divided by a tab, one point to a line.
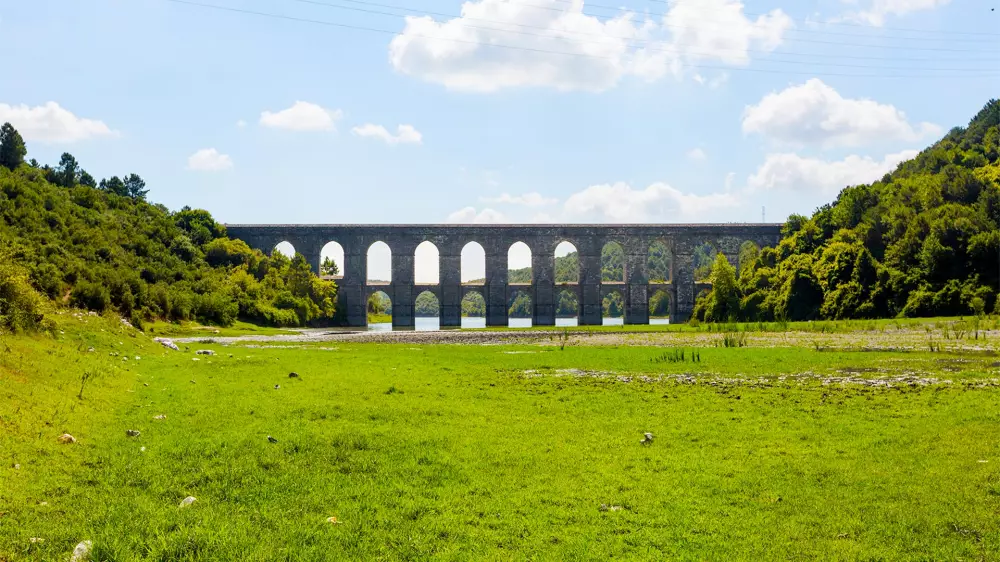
102	246
922	241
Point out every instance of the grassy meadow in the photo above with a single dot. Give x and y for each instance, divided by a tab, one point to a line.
870	444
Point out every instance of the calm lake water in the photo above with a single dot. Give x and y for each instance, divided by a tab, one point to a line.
433	324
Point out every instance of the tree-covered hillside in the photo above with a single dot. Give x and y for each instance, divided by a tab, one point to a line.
102	246
922	241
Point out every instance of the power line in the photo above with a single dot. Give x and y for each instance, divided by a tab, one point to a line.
634	40
858	24
647	44
531	49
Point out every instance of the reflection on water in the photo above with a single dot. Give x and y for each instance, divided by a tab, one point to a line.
433	324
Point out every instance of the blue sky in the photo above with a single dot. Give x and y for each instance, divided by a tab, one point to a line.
687	111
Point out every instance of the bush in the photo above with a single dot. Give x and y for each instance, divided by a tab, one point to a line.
21	307
92	296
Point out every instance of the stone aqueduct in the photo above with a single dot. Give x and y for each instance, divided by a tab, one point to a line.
635	240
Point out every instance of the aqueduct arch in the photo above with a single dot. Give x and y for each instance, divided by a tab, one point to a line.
634	240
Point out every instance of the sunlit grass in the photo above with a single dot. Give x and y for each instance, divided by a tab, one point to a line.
494	452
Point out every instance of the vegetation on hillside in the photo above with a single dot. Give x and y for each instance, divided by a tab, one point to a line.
102	246
922	241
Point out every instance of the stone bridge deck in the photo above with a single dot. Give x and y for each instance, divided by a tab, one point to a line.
635	240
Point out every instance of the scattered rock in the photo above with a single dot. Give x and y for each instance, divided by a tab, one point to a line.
205	352
647	438
137	358
17	466
145	384
195	359
277	386
272	439
188	501
606	507
43	504
36	540
333	521
66	439
81	552
90	350
160	417
167	343
192	382
142	449
293	375
132	432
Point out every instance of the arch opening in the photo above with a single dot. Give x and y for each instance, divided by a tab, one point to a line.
567	263
427	311
659	263
473	264
379	264
473	310
567	308
284	248
519	264
379	310
747	258
426	264
519	311
613	308
659	307
704	260
612	263
331	261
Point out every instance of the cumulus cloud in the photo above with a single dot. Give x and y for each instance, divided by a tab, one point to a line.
533	199
696	154
302	116
209	160
469	215
498	44
879	10
405	134
620	203
814	113
51	123
793	172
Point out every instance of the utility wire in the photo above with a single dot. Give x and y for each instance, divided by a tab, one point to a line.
633	42
531	49
852	24
663	14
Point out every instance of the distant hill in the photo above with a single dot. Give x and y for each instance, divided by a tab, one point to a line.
921	241
104	247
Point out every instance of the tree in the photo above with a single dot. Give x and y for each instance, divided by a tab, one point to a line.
328	267
87	179
724	300
12	148
114	185
67	173
135	187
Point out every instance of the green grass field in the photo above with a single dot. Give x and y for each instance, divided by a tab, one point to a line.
779	450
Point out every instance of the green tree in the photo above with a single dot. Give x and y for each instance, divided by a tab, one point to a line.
67	174
12	149
328	267
114	185
135	187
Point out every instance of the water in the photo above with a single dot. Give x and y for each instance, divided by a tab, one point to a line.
434	324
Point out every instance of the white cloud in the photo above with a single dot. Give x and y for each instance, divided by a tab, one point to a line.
405	134
302	116
468	215
794	172
241	123
815	113
209	160
620	203
498	44
533	199
696	154
50	123
718	30
879	9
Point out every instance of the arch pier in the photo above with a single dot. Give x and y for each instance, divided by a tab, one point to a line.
681	242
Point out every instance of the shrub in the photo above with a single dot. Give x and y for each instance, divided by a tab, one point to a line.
92	296
21	307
